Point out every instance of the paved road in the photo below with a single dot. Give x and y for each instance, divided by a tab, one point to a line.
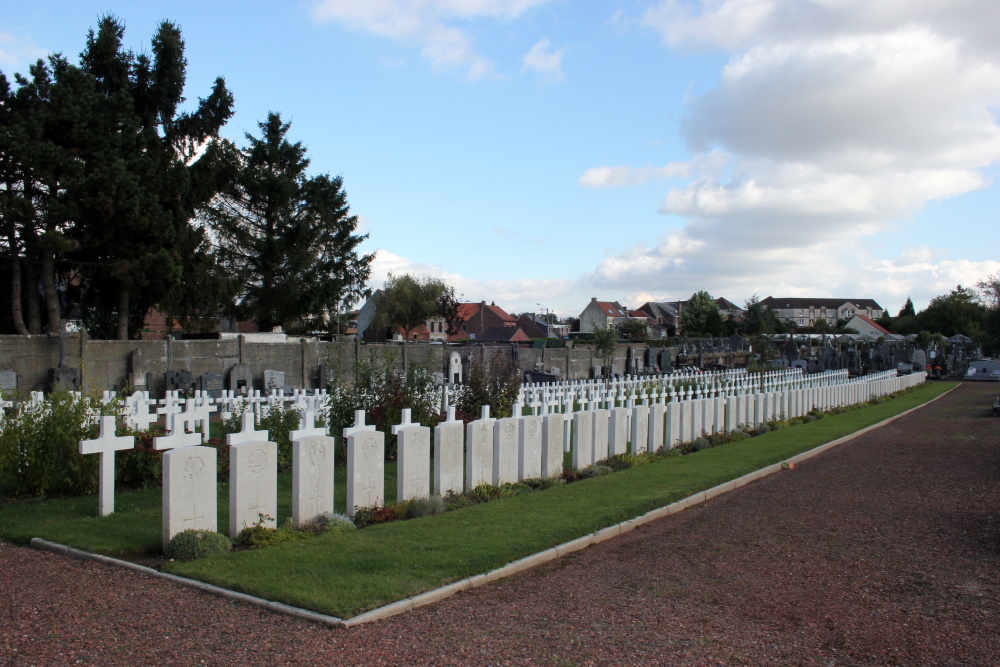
882	551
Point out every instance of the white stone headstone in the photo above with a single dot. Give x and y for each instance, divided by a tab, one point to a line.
448	455
253	485
190	491
529	455
618	431
413	447
640	429
479	458
312	476
601	439
106	444
365	470
583	439
505	450
654	433
552	444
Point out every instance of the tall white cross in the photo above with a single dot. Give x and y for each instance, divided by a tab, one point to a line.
106	444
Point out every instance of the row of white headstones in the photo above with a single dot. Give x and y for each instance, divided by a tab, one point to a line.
487	450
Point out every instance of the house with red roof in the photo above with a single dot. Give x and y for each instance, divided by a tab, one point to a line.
479	321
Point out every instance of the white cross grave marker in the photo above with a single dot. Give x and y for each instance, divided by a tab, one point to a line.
106	444
247	433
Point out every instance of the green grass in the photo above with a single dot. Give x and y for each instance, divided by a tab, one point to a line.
348	573
135	529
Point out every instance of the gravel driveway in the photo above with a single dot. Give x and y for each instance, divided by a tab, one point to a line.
884	551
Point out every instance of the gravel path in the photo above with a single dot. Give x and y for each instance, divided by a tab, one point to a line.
884	551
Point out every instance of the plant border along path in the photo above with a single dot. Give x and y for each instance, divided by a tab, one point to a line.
387	569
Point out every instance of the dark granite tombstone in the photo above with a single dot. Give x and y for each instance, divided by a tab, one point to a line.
178	381
213	384
64	378
8	381
736	342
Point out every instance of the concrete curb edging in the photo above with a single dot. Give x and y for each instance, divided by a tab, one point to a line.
475	581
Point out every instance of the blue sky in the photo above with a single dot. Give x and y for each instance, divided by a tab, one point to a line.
547	151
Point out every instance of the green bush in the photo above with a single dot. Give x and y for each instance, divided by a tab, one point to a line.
698	444
495	383
258	536
418	507
539	483
383	391
335	523
39	445
194	544
762	429
596	470
368	516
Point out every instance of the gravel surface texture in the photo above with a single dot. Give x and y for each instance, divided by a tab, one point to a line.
883	551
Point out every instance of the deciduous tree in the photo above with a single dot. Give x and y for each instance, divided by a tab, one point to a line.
701	316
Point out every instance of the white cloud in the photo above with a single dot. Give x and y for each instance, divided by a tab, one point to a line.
623	176
427	24
17	52
832	121
542	59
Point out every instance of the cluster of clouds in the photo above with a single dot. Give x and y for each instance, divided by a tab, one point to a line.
831	122
436	28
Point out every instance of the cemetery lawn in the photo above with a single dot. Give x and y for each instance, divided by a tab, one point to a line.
349	573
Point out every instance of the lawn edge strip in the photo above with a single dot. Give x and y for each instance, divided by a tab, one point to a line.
613	531
270	605
477	580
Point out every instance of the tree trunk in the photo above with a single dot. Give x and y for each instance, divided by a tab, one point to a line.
16	300
56	324
123	298
34	313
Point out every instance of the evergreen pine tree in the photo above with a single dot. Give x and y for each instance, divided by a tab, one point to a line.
287	239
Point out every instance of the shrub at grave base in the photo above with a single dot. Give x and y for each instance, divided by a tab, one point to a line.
369	516
256	537
332	522
596	470
193	544
39	446
418	507
698	444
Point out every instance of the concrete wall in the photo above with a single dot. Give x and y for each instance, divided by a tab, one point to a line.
105	364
